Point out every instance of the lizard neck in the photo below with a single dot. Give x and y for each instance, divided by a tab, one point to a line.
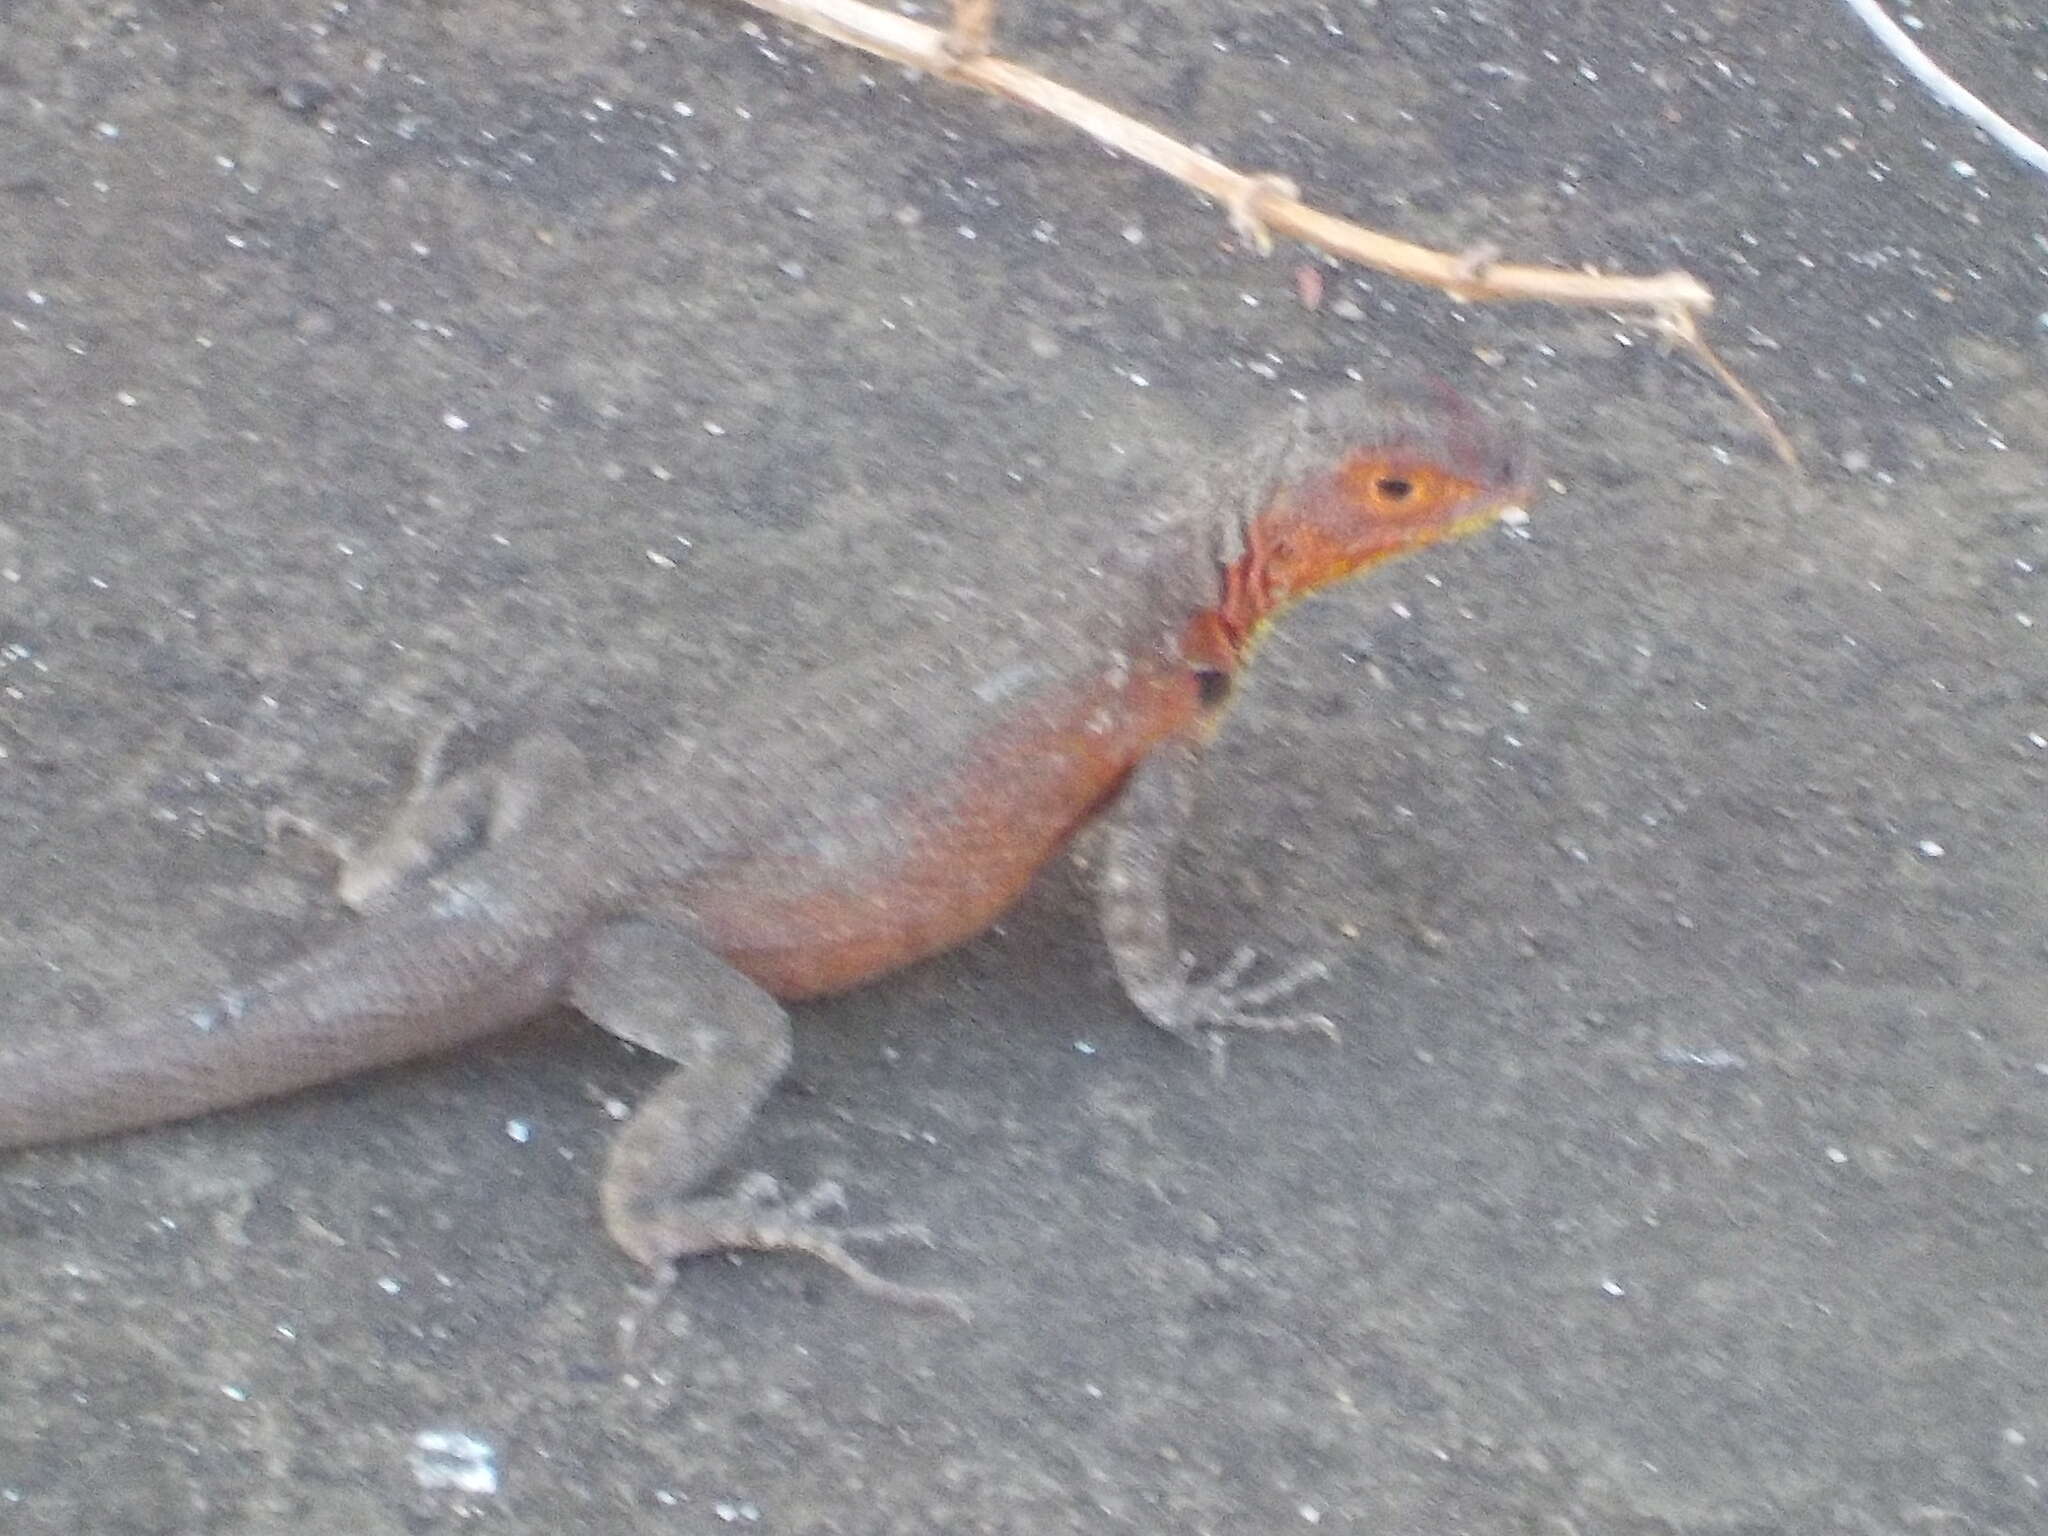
1222	636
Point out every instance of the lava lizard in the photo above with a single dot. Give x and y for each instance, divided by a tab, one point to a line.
864	825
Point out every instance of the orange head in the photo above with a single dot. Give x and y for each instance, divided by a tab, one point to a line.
1348	491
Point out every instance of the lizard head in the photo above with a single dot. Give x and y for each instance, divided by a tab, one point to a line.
1350	489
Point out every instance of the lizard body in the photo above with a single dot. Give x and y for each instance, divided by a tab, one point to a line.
876	818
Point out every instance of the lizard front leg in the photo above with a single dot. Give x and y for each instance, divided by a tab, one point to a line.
443	818
649	982
1135	849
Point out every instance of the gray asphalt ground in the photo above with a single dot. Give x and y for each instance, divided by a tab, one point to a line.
1683	1170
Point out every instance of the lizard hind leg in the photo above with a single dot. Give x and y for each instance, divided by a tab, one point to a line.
649	982
443	817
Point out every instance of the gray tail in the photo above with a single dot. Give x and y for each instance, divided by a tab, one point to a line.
398	987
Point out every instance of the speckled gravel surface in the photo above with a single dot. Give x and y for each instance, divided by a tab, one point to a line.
1684	1170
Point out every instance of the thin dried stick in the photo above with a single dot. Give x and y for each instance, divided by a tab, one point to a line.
1681	326
974	29
1946	89
1261	206
1260	202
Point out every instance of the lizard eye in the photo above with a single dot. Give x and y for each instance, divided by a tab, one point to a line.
1394	487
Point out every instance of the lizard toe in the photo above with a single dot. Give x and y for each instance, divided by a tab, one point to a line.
758	1217
823	1197
1220	1003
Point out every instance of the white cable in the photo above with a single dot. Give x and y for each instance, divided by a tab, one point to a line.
1945	90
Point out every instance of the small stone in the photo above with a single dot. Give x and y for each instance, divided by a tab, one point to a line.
305	95
452	1461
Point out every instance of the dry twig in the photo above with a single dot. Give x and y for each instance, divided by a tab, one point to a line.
1264	205
1945	88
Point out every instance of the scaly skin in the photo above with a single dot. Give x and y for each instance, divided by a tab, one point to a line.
878	817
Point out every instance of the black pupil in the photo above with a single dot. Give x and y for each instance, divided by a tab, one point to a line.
1394	488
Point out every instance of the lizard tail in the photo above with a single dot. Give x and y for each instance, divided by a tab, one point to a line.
343	1008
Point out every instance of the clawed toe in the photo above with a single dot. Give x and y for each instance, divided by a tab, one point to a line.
280	825
827	1196
758	1215
1288	982
1221	1004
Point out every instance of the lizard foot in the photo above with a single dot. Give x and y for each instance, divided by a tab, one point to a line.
366	874
1207	1008
280	825
758	1216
